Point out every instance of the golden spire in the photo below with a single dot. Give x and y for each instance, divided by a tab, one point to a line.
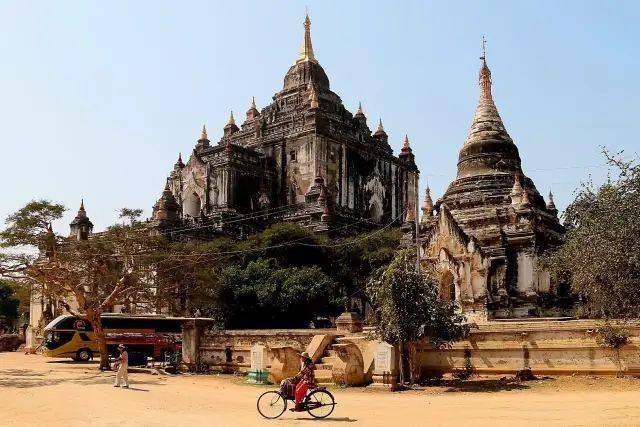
203	134
306	51
253	103
380	127
406	141
232	121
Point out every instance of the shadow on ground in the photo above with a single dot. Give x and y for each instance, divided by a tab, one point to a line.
484	386
72	362
26	378
334	419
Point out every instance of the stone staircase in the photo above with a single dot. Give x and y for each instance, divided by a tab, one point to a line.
324	367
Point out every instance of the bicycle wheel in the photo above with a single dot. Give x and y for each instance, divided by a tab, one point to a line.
320	403
271	404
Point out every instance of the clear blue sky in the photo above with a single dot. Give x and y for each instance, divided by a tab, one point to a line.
98	97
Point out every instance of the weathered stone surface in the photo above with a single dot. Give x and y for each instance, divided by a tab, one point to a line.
318	346
490	225
347	364
545	347
348	323
282	157
285	363
385	373
230	350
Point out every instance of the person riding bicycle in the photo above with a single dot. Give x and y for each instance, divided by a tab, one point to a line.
303	380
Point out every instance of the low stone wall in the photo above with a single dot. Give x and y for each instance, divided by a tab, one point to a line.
10	342
545	347
230	350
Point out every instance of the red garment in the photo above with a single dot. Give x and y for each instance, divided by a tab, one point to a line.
301	392
306	375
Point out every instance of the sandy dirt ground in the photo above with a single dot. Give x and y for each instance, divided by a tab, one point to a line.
48	392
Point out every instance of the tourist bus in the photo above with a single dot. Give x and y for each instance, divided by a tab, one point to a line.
152	335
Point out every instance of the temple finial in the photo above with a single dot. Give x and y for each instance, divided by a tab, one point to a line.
550	204
484	48
405	144
427	206
253	102
380	127
485	73
232	121
306	51
82	204
359	108
203	133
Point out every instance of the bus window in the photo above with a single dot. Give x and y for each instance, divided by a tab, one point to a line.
67	323
55	339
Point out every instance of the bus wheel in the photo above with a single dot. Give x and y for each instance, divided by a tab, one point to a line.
84	355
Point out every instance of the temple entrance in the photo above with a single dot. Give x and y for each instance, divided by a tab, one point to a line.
375	212
447	287
192	205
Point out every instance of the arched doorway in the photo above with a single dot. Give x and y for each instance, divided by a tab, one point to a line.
192	205
447	287
375	211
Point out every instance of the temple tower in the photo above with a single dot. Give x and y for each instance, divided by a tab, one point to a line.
499	222
81	227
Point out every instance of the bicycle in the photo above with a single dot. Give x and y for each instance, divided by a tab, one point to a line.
319	403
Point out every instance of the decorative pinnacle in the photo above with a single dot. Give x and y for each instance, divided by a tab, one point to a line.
253	103
306	51
427	206
313	97
81	212
232	121
380	127
485	73
551	204
405	144
517	186
203	134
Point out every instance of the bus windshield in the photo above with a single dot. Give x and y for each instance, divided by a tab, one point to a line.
54	323
67	322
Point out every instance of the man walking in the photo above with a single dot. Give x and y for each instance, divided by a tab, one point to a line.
122	362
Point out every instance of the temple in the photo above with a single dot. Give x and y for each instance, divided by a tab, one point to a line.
485	234
304	158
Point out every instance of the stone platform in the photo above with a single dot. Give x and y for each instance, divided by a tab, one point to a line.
548	347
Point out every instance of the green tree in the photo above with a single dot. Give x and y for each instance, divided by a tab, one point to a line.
29	225
287	245
113	267
601	254
355	260
9	302
133	215
408	309
262	295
